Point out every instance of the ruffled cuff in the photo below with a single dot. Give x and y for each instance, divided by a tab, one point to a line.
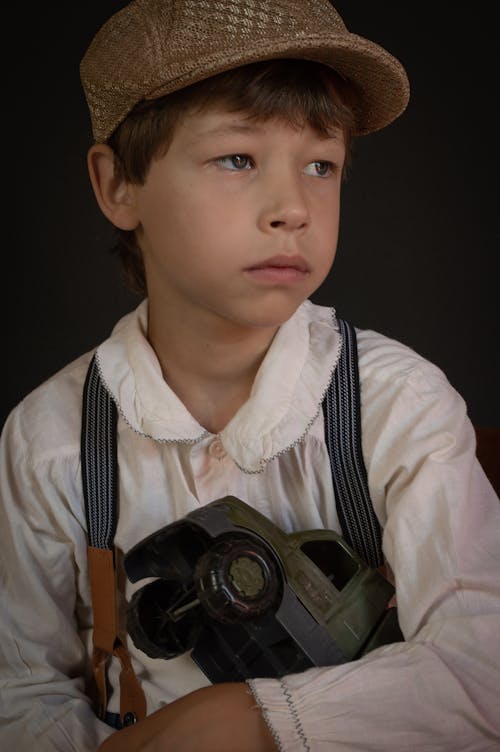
278	708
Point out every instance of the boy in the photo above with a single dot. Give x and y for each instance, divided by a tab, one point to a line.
222	130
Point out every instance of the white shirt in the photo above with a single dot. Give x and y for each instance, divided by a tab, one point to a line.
439	690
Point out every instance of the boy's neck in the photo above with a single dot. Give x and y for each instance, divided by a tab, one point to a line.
210	369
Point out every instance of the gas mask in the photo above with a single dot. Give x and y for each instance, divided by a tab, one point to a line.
249	600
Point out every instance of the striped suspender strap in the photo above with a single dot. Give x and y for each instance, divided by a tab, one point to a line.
342	413
100	490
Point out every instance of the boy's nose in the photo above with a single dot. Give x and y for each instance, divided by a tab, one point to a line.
284	207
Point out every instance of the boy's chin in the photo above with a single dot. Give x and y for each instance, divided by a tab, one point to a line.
271	315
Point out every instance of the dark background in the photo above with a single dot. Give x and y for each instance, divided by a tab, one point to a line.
419	241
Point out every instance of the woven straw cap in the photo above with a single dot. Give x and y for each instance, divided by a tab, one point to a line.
155	47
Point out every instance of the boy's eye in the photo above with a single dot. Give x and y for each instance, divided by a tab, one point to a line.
319	169
235	162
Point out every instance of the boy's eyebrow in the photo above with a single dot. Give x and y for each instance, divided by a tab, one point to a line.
250	127
227	130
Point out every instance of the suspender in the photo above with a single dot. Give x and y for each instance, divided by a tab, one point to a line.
342	415
360	527
100	490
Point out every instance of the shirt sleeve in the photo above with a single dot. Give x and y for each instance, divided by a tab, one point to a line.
440	689
43	663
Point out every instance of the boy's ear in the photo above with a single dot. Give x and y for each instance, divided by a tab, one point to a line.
114	195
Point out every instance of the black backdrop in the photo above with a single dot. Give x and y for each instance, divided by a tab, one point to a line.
419	240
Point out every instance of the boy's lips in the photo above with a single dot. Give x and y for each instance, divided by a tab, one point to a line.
281	268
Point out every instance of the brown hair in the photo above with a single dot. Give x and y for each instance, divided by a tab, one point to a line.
297	91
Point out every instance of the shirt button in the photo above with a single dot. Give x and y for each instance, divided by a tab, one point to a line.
217	450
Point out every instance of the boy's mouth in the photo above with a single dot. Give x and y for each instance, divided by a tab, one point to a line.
283	261
280	269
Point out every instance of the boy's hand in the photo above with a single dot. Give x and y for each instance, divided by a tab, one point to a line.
219	718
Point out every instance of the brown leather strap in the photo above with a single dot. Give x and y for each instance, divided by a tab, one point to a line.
107	642
103	586
132	699
99	661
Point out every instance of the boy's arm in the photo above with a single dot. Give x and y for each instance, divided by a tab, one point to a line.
43	658
220	718
441	518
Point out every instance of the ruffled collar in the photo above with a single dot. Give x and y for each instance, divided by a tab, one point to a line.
285	399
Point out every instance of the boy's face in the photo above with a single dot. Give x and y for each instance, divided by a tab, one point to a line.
238	221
